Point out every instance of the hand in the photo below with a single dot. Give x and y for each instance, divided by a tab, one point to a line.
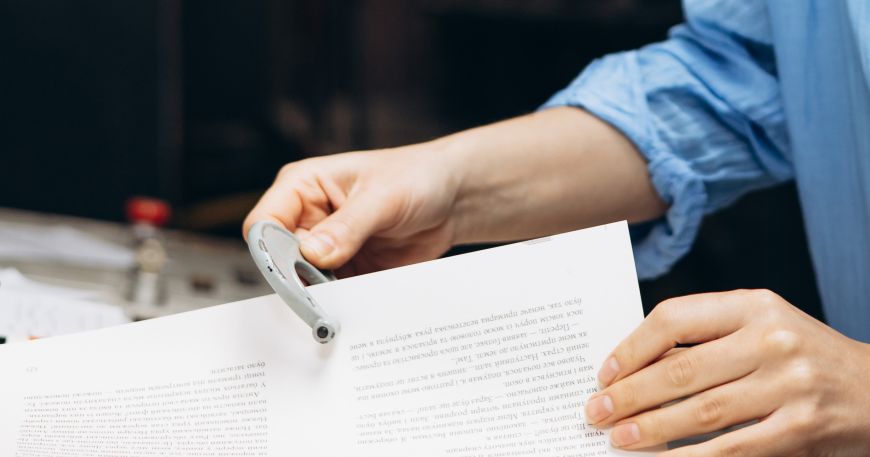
532	176
390	206
756	358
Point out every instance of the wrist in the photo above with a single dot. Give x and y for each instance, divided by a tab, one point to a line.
465	184
494	168
434	172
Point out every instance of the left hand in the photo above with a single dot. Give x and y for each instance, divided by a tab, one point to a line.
756	358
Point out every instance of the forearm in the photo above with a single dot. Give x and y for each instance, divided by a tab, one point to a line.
547	172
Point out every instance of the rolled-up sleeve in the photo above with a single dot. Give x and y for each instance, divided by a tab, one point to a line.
704	109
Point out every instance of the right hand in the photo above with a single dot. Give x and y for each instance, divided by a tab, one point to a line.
535	175
360	212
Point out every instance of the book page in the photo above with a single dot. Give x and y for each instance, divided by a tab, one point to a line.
491	353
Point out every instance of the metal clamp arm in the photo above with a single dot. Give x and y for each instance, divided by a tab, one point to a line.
276	252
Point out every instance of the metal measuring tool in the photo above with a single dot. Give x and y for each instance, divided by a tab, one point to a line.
276	252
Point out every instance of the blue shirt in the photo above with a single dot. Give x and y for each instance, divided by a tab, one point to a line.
744	95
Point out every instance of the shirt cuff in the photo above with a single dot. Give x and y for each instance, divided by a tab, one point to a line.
609	89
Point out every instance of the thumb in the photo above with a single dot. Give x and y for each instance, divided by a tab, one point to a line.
338	237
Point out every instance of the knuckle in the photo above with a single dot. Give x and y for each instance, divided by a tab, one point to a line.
802	421
743	293
768	319
294	168
626	397
710	411
781	342
340	229
653	430
343	223
735	449
804	375
626	353
666	312
288	169
681	370
766	298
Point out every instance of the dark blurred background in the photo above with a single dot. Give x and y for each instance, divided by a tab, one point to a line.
200	102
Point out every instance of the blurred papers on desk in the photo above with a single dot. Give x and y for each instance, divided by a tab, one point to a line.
12	280
60	243
29	309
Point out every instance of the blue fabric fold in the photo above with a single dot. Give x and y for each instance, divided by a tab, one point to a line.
742	96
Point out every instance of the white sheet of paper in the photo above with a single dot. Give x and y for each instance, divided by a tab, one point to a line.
486	354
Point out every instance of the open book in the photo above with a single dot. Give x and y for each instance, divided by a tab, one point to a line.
491	353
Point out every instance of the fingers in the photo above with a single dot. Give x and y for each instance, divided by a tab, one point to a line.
671	352
684	373
335	239
323	202
763	439
690	319
729	404
281	204
298	198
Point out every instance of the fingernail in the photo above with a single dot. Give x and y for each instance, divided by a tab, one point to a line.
320	243
608	372
599	408
625	434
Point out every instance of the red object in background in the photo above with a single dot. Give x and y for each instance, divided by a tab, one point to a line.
148	210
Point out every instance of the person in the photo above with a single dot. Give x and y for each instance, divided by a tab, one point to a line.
741	96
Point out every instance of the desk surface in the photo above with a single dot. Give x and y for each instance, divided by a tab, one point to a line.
202	271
